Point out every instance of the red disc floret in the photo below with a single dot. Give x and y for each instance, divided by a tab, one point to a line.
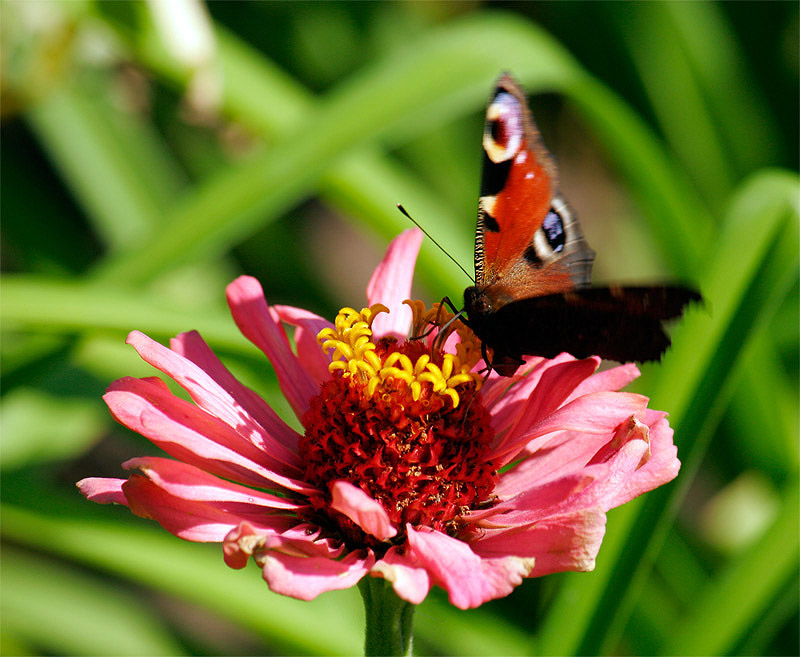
423	460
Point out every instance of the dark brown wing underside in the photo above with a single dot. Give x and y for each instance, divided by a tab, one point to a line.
622	324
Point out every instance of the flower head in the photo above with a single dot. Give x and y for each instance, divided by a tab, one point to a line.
411	466
390	421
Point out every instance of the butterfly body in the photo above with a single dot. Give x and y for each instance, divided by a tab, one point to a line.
533	266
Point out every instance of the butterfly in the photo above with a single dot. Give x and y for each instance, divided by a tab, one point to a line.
533	266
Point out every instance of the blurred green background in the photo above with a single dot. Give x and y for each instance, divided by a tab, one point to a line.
153	151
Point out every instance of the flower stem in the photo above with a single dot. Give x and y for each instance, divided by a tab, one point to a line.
389	619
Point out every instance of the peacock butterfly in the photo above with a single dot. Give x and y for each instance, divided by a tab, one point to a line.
533	266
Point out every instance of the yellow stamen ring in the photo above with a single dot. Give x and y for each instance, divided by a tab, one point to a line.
353	352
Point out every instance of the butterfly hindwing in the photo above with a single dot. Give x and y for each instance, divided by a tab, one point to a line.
617	323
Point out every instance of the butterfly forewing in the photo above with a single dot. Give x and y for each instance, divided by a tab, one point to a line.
528	241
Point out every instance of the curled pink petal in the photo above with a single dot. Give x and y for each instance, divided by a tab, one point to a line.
468	580
247	540
624	452
569	541
240	543
409	579
597	413
305	578
614	465
103	490
362	510
308	325
661	466
252	316
391	284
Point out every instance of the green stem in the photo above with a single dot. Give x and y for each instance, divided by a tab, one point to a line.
389	619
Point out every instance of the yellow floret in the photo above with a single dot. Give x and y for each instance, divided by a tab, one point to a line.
353	352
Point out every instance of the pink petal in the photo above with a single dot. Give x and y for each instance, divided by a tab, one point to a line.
652	416
308	325
661	466
190	434
469	580
561	454
496	389
615	378
191	346
505	409
559	543
191	483
217	401
305	578
367	513
538	501
103	490
498	394
409	579
596	413
252	316
555	386
186	518
246	540
391	284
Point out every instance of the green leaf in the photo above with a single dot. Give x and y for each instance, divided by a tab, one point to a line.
730	604
49	304
441	629
738	109
761	208
40	427
747	280
196	573
61	610
90	140
664	65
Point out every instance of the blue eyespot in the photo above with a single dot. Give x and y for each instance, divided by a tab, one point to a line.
554	231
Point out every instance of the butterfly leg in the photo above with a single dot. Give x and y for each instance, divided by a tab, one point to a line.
438	343
456	311
460	314
486	359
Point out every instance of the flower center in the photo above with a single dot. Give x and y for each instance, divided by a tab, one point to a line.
400	420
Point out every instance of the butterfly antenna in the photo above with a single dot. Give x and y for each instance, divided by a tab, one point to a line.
428	235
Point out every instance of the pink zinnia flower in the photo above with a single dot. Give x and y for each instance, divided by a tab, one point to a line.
409	469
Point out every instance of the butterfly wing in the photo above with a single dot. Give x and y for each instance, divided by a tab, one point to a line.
616	323
533	266
528	241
